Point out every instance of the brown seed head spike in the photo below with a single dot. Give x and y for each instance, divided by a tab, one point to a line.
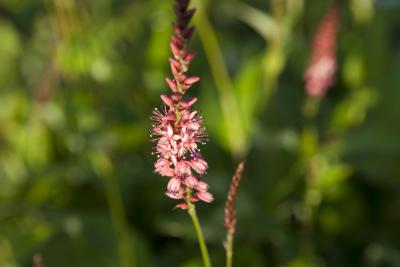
230	212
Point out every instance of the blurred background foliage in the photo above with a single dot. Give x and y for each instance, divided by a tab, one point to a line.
79	80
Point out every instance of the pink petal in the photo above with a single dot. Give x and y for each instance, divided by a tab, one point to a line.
170	131
192	115
176	97
162	166
202	186
199	165
175	63
175	70
182	168
189	56
191	80
191	181
171	84
168	101
205	196
173	159
183	206
176	195
188	102
176	40
175	50
170	116
194	199
176	28
174	184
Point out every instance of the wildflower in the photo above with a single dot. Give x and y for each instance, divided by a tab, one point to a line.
320	74
178	129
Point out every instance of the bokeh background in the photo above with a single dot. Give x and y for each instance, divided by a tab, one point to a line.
79	80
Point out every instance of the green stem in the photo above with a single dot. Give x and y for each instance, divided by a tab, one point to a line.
229	249
311	109
199	232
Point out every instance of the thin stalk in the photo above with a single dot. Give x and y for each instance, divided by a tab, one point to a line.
311	109
199	232
229	249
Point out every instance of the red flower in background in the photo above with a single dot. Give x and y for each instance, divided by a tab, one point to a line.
321	71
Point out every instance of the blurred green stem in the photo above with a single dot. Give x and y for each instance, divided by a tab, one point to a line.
309	154
232	118
104	168
311	108
199	232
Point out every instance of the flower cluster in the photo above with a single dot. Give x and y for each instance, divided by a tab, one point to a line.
178	129
320	74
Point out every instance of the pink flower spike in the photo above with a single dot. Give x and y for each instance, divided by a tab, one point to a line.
174	184
191	80
168	101
205	196
177	129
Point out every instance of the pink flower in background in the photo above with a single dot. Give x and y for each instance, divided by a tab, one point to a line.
320	74
178	129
